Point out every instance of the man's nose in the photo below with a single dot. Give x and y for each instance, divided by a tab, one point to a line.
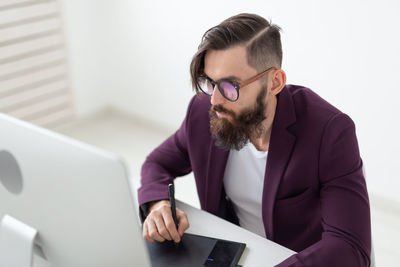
217	98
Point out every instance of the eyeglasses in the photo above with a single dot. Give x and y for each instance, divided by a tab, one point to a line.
227	88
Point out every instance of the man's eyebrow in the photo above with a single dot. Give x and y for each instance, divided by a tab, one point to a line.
230	78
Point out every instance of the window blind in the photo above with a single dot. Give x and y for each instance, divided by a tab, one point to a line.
33	67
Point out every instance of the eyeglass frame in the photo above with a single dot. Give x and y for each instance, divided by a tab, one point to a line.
236	85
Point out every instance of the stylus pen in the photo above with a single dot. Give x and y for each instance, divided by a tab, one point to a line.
171	194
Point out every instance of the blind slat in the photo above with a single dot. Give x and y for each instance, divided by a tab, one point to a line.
32	111
30	45
34	85
29	20
32	69
34	99
29	62
27	96
17	13
31	78
26	55
29	29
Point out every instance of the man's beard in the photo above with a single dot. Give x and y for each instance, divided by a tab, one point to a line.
236	133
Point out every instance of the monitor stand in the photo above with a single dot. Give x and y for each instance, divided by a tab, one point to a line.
16	242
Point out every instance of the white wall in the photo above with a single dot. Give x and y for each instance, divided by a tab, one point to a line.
135	55
85	36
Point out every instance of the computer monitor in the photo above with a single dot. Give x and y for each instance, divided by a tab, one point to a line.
76	196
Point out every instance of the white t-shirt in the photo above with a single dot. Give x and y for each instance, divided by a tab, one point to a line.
244	183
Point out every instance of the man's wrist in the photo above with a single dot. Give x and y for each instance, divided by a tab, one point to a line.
154	204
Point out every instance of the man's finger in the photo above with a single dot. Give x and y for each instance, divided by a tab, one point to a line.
146	234
170	224
162	229
153	232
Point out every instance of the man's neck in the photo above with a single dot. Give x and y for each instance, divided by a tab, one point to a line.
262	143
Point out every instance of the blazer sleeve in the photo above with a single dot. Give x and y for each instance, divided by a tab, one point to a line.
168	161
346	237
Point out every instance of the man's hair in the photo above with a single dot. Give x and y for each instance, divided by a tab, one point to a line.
261	39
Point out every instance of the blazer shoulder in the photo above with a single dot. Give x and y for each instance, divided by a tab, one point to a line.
198	109
309	105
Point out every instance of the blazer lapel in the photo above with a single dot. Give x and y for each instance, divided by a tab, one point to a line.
281	144
217	159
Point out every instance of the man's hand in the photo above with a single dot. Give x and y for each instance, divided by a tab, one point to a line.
159	224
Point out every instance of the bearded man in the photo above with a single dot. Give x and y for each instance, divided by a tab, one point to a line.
275	159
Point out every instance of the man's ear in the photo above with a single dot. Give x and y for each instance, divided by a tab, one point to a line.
278	81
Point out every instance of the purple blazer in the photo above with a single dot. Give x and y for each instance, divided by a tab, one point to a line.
315	199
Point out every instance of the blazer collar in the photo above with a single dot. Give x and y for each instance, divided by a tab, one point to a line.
281	145
217	159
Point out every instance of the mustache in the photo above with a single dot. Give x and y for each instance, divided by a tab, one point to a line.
220	108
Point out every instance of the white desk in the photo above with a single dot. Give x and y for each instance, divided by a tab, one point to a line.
259	251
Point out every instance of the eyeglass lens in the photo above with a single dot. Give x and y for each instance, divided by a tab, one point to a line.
226	88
